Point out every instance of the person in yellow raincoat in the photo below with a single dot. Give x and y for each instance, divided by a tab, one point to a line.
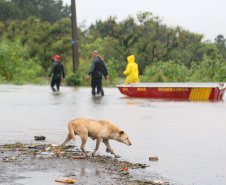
131	70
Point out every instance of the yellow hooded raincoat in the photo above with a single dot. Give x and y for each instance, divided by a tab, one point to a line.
131	70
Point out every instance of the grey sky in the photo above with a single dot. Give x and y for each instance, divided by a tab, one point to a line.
200	16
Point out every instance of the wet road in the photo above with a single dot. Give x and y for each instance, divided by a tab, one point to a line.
188	137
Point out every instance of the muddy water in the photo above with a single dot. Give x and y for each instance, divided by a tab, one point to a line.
188	137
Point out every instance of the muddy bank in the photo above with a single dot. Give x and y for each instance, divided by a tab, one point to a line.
40	164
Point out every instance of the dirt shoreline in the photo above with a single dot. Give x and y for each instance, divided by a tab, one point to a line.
39	164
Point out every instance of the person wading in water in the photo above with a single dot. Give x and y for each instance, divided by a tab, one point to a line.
97	69
57	69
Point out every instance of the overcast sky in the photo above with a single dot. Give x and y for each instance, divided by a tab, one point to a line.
200	16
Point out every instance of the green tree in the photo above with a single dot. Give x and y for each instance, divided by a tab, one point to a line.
42	39
46	10
221	44
8	10
53	10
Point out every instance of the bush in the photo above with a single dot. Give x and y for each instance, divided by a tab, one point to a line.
112	72
2	79
205	71
15	65
73	79
83	69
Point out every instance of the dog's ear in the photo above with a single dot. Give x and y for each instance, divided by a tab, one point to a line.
121	132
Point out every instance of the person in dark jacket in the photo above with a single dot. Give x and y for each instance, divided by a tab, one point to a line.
57	69
97	69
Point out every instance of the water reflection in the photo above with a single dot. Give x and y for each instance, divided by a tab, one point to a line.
57	94
97	99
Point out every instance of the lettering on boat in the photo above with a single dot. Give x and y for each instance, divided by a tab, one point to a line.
125	89
172	89
141	89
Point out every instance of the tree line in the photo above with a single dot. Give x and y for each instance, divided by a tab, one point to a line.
45	10
162	53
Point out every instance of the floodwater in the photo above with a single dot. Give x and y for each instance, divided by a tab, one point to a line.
188	137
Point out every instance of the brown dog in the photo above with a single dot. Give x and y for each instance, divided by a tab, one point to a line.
96	130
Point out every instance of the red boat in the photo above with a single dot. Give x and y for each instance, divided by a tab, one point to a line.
186	91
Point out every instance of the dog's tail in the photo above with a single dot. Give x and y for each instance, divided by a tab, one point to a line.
71	131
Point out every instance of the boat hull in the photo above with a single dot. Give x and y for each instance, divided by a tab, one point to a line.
185	91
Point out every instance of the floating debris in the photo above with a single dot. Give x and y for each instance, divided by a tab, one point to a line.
47	149
39	138
153	158
9	159
124	173
65	180
79	157
32	147
159	182
136	167
70	146
22	149
143	165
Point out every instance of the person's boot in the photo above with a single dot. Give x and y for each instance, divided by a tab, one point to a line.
53	89
102	92
93	92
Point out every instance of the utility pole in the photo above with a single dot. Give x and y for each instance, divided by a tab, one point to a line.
74	37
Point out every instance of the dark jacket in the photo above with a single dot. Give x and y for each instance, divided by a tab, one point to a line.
98	68
57	68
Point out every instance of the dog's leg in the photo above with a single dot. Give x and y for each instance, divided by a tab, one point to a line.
68	138
97	146
106	142
84	139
